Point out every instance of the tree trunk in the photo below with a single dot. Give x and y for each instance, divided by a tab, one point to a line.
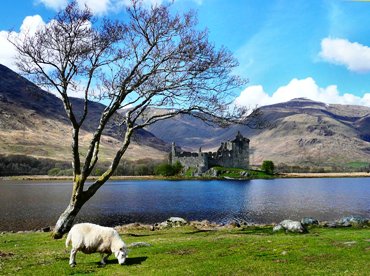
66	219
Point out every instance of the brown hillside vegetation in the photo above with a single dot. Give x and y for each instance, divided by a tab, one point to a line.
304	133
33	123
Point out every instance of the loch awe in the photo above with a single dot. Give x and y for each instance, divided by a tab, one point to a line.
28	205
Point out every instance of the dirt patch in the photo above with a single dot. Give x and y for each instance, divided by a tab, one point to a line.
6	254
181	252
280	261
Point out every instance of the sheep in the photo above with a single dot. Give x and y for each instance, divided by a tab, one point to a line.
90	238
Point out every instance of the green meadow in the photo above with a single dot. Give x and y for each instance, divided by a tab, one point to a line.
190	251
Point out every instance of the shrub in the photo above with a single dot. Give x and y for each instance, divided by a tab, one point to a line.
167	169
177	167
164	170
53	171
268	166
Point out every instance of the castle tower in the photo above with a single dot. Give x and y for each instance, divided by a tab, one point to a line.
240	153
172	155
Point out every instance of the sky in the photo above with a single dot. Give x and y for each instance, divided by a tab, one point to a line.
317	49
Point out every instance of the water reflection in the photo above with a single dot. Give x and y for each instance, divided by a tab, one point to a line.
29	204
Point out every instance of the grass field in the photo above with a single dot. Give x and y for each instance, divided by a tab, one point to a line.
189	251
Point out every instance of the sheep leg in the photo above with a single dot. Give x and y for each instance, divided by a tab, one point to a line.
104	259
72	261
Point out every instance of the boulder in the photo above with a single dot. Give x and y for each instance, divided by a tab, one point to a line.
244	173
176	221
348	221
212	172
309	221
290	226
353	221
170	223
277	228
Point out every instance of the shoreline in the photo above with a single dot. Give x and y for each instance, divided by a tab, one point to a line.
153	177
175	222
324	175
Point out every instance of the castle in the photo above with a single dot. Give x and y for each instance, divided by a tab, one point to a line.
231	154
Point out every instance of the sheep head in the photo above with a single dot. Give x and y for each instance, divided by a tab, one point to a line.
121	255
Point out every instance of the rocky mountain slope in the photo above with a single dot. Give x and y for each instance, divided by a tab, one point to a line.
33	123
304	133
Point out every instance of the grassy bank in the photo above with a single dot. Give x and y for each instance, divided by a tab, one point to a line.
253	175
188	251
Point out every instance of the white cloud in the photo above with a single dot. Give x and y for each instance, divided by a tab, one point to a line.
53	4
97	7
7	54
31	24
101	7
305	88
353	55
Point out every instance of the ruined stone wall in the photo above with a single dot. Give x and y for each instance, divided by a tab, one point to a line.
232	154
191	160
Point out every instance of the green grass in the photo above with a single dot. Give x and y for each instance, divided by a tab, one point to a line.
357	165
236	173
188	251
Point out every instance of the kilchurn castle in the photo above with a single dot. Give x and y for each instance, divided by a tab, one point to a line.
231	154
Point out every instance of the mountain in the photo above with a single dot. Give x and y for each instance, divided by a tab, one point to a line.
33	123
304	132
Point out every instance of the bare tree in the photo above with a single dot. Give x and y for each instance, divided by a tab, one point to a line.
152	58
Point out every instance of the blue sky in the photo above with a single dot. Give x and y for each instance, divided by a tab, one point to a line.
319	49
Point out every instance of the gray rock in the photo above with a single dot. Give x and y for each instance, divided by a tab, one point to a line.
170	223
309	221
244	173
277	228
347	222
176	221
353	220
212	172
161	225
290	226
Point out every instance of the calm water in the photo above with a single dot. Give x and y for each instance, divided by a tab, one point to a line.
32	205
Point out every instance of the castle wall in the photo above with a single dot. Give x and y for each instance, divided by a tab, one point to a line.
190	160
232	154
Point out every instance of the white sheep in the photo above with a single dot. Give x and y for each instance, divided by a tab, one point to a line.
90	238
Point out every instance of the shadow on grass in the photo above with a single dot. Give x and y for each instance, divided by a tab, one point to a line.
135	260
200	231
256	231
129	261
137	235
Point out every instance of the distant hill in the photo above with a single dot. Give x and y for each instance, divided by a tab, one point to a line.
33	123
305	133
